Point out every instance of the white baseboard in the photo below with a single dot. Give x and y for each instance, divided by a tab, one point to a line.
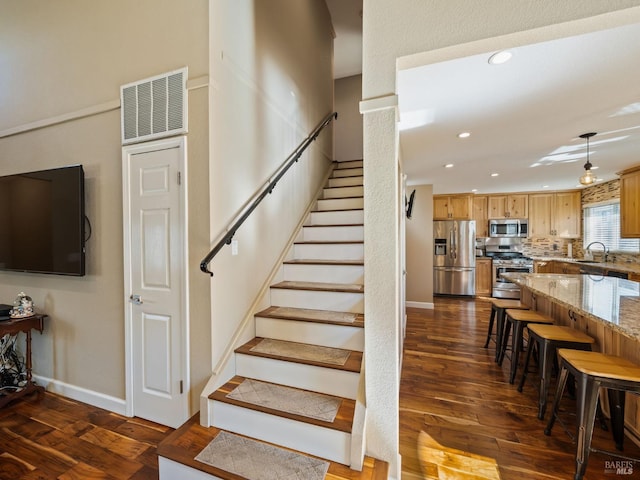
423	305
116	405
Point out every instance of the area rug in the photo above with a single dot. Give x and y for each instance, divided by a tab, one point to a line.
258	461
308	314
286	399
302	351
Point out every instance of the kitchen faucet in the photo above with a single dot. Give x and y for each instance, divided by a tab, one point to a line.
605	250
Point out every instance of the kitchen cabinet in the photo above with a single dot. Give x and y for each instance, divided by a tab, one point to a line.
540	266
568	268
630	203
634	276
483	277
481	215
555	214
508	206
452	207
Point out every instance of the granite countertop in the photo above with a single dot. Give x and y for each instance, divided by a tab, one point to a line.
618	267
613	301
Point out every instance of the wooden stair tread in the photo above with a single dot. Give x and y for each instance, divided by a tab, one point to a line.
320	286
339	210
335	225
340	198
314	261
330	242
351	365
343	421
183	445
290	313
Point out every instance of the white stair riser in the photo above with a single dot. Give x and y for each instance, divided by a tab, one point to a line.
345	181
343	192
325	334
346	233
328	251
331	381
170	470
318	300
340	203
351	164
304	437
324	273
347	217
347	172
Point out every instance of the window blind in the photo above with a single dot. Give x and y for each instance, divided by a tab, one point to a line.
602	224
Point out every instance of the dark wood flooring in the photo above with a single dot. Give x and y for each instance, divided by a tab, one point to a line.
460	417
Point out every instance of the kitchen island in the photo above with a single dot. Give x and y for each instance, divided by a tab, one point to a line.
606	308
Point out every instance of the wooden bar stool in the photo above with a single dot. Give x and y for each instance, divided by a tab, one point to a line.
498	308
549	338
592	371
519	319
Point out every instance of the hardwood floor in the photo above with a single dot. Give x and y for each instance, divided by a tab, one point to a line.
460	417
57	438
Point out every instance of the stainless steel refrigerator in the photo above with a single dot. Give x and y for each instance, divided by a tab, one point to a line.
454	257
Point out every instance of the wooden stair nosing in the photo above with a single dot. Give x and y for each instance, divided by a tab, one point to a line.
185	443
338	210
329	242
342	186
268	313
343	421
341	198
351	365
318	261
320	287
347	176
335	224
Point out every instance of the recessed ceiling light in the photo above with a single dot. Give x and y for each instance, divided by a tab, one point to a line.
474	190
500	57
545	186
448	165
495	174
464	134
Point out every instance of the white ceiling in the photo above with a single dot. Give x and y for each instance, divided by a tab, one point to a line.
525	116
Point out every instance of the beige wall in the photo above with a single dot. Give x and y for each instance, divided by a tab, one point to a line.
348	128
419	240
271	84
401	34
61	57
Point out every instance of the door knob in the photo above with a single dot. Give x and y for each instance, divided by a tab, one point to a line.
135	299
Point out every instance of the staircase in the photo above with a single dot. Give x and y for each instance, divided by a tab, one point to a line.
296	382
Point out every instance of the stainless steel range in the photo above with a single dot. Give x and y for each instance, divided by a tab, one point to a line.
507	256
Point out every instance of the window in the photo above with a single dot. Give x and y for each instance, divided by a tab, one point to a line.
602	224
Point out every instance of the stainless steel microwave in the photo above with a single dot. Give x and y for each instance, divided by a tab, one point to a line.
509	227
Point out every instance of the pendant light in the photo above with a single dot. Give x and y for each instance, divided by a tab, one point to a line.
588	177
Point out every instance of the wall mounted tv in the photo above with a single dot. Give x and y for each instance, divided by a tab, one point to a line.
42	221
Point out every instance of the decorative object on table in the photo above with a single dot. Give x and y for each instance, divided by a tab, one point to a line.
22	306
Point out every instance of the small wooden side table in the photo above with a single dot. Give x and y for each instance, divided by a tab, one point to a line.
14	326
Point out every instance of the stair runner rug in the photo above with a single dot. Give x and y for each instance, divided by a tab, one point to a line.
308	314
302	351
258	461
287	399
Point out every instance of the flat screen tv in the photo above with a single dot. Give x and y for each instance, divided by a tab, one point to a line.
42	221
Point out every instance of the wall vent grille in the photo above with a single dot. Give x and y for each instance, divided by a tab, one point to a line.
155	107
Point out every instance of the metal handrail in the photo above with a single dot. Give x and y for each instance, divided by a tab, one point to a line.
226	237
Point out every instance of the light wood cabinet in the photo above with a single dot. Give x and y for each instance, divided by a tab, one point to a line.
483	277
554	214
630	203
540	266
508	206
452	207
634	276
481	215
567	268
